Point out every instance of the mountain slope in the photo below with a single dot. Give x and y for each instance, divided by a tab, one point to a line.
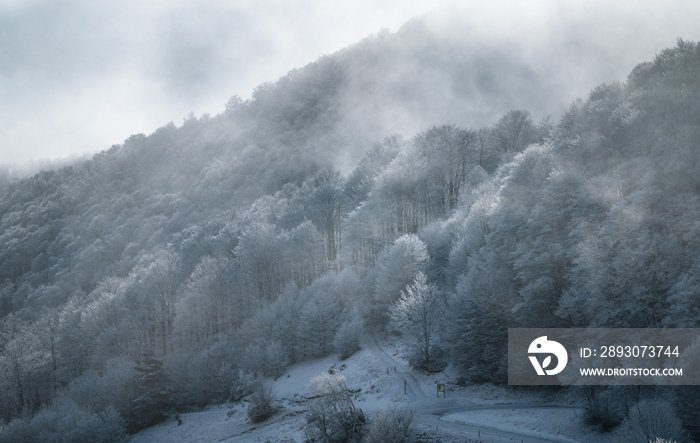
164	274
329	111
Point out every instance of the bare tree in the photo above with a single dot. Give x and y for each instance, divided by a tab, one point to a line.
515	131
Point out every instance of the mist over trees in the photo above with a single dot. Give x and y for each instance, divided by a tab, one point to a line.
168	272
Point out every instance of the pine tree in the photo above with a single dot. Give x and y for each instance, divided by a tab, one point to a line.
151	405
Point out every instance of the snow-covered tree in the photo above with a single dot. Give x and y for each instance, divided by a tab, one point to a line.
159	276
347	337
416	314
515	131
397	266
321	197
319	320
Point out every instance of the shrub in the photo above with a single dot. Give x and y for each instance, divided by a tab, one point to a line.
261	405
391	426
332	415
604	409
653	421
688	409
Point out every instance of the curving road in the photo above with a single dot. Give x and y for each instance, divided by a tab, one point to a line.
428	413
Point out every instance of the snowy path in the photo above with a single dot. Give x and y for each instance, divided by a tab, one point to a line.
435	417
431	411
403	371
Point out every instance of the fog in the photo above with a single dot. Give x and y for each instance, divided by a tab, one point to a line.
79	76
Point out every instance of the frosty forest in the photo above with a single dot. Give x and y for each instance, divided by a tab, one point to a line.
171	271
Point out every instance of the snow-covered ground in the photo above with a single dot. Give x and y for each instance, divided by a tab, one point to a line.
553	423
377	374
229	423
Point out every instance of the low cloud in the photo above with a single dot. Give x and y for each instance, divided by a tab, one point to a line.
77	76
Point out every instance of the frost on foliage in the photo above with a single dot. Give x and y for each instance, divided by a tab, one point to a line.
332	414
416	315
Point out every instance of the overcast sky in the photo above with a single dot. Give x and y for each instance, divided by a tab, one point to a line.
77	76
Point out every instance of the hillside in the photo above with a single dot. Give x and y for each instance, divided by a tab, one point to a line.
179	269
329	112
